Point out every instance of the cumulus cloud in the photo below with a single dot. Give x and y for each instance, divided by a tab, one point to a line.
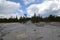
46	7
28	1
8	8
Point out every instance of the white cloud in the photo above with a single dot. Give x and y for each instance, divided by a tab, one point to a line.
8	15
46	7
28	1
8	8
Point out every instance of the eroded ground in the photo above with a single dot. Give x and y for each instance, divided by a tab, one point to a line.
29	31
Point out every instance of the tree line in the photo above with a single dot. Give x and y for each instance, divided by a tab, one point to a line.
33	19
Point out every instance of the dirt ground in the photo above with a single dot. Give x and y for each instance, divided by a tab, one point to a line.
30	31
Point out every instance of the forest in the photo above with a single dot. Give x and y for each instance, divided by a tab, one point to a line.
33	19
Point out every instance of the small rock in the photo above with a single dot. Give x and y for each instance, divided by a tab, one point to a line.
1	38
34	29
39	38
58	35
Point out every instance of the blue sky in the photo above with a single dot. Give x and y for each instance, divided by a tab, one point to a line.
24	6
20	7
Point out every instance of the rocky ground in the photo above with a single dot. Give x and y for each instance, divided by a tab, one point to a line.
30	31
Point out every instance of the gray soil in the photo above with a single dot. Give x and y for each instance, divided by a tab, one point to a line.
30	31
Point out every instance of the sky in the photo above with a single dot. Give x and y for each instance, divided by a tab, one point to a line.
18	8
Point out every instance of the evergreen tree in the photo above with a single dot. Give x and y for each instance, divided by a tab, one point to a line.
36	19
